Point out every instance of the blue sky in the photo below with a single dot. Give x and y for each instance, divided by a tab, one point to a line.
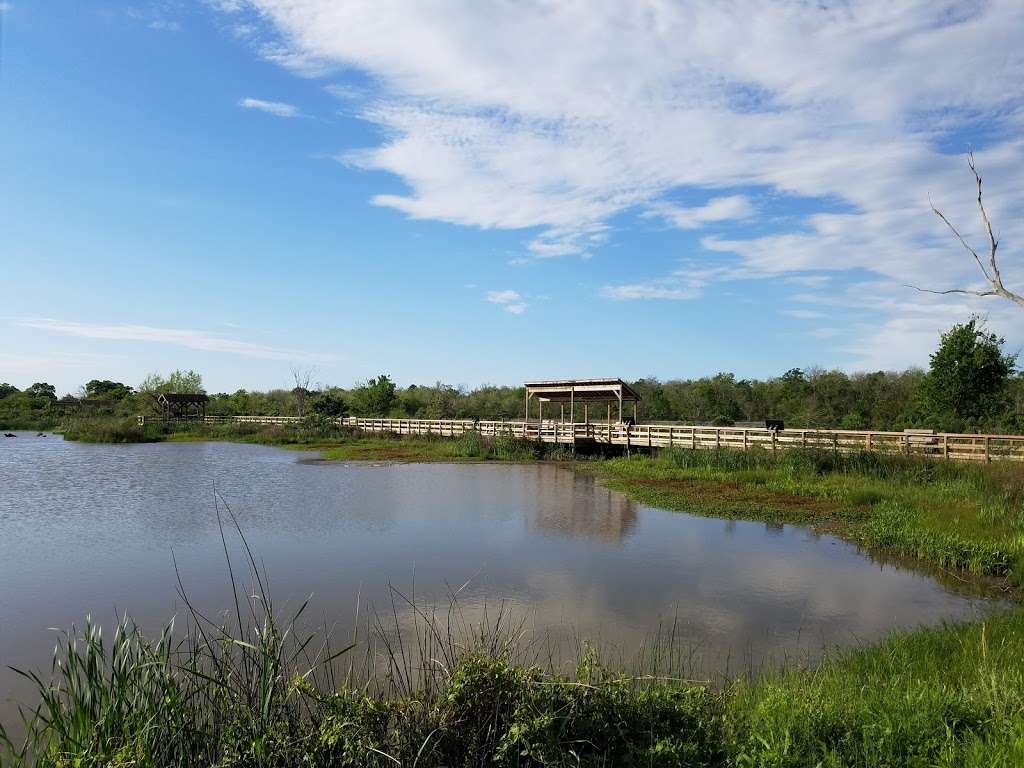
476	192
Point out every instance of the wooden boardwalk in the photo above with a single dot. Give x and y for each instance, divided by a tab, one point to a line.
964	447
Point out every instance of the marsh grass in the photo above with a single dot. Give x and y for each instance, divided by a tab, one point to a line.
952	514
114	429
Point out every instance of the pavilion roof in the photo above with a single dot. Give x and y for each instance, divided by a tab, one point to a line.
582	390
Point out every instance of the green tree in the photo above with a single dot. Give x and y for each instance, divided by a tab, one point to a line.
42	391
967	378
7	389
374	398
185	382
329	404
106	390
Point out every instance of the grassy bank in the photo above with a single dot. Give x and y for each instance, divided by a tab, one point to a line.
954	515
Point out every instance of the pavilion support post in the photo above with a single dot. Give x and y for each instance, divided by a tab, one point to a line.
620	405
634	411
572	405
527	416
562	417
586	413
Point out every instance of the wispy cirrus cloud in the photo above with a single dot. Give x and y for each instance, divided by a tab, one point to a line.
191	339
276	108
731	208
653	290
804	314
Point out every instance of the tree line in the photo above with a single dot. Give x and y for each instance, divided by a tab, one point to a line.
971	384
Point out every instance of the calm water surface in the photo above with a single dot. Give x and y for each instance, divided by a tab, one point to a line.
90	529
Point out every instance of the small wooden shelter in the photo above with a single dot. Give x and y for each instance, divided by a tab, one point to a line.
580	392
180	405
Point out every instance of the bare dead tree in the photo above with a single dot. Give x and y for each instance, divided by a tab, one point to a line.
990	271
302	377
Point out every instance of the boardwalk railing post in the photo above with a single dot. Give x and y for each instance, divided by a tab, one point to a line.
945	446
986	448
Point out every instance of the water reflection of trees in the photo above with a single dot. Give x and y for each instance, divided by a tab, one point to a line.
574	504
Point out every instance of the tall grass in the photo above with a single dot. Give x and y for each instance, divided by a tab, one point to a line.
114	429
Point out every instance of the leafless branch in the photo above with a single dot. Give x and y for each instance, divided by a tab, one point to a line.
302	378
991	272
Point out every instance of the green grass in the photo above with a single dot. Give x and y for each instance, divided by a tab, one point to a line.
124	429
951	696
950	514
346	444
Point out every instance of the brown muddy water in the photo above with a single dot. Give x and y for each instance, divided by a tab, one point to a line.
89	529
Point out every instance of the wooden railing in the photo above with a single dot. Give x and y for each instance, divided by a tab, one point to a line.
944	445
963	447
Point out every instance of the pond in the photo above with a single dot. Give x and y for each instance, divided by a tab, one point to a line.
91	529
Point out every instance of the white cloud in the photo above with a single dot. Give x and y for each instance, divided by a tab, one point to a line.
345	91
557	117
651	290
684	283
716	209
503	297
192	339
509	300
278	108
6	7
804	314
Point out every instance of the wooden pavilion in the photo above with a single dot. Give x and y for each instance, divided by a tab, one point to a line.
580	392
180	405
